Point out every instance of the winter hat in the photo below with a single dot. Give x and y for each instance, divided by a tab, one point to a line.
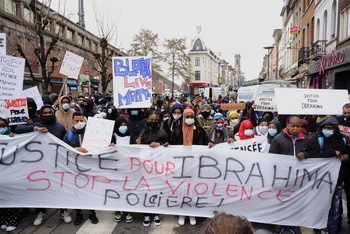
205	105
233	115
218	116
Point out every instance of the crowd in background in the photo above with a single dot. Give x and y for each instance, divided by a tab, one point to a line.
195	120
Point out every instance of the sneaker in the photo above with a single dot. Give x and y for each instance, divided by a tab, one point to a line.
118	216
78	219
10	228
181	220
278	229
128	218
3	227
93	218
193	220
295	230
39	219
156	220
146	221
66	217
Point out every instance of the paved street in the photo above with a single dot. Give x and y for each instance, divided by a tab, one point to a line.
52	224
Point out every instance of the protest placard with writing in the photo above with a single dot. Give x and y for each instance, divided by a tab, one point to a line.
71	65
132	82
98	133
2	43
33	92
11	79
16	110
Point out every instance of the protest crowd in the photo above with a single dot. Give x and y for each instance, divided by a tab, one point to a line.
195	120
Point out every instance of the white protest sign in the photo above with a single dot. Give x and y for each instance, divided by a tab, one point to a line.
246	94
71	65
16	110
265	98
175	180
132	82
98	133
2	43
33	92
11	79
311	101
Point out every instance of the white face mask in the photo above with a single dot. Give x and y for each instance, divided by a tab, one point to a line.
189	121
79	125
263	129
176	116
103	114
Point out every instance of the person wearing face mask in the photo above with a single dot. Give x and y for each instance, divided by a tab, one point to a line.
275	128
135	122
189	134
88	107
204	117
48	123
329	142
65	112
32	111
175	119
112	112
245	131
75	139
218	132
344	126
262	127
154	136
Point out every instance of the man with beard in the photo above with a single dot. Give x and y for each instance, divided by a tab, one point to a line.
344	173
48	123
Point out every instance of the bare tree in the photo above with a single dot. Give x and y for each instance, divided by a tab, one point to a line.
177	59
146	44
41	41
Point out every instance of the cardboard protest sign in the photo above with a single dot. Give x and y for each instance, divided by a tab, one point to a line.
71	65
16	110
2	43
232	106
11	79
98	133
310	101
33	92
176	180
132	82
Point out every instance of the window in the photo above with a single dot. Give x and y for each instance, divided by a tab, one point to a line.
93	46
325	22
87	42
28	15
197	61
344	25
69	34
10	7
197	75
317	30
79	39
333	19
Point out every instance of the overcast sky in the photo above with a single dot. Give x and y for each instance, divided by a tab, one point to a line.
228	26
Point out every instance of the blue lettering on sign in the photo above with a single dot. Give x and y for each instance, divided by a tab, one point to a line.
139	67
138	95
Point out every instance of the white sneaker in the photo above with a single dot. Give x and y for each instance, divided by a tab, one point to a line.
10	228
181	220
39	219
193	220
66	217
3	227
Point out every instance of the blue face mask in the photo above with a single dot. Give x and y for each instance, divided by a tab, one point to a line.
327	133
109	111
189	121
123	129
3	130
134	112
248	132
234	121
272	131
219	127
65	106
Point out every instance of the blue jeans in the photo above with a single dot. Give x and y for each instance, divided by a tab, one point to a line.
333	215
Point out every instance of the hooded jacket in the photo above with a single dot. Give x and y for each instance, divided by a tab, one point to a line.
170	125
65	117
89	110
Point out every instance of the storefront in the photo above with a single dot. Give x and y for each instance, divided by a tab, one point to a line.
332	71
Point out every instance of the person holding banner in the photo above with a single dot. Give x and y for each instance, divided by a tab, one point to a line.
245	131
175	119
189	134
154	136
329	142
262	127
75	138
275	128
135	122
291	141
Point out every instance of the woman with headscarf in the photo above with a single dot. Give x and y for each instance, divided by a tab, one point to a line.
275	128
262	127
189	134
245	131
175	119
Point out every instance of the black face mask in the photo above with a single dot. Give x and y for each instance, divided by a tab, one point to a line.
205	114
153	125
48	119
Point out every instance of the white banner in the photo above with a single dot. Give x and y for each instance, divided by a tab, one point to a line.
2	43
132	82
11	79
71	65
38	170
311	101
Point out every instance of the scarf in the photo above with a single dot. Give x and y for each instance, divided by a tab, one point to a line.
187	131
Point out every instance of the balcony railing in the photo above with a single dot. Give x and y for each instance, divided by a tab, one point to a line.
303	55
318	49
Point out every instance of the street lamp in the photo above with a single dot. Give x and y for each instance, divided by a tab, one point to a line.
268	48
